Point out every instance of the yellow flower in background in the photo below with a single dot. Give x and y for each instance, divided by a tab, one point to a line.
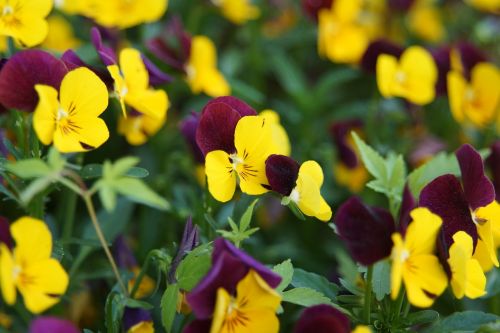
72	120
138	128
352	178
61	36
486	5
127	13
414	262
40	279
81	7
237	11
24	20
132	86
201	69
488	230
413	77
362	329
467	277
280	137
307	192
253	139
425	21
253	309
477	101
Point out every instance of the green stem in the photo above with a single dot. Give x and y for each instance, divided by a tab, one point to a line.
141	275
398	304
102	239
69	209
368	295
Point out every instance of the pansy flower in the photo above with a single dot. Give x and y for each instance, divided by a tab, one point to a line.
236	143
298	184
375	49
468	207
47	324
476	101
70	117
22	72
137	128
425	21
41	280
24	20
412	77
324	318
414	262
348	171
137	320
312	7
188	128
280	140
237	11
237	291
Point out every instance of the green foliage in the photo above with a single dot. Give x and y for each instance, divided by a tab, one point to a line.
463	322
422	317
91	171
302	278
285	270
381	279
239	233
194	266
305	297
168	306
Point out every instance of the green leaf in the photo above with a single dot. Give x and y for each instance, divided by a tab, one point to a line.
422	317
246	218
168	306
287	72
493	284
305	297
114	312
381	279
30	168
108	197
35	187
374	163
302	278
467	321
121	166
137	304
136	190
55	160
91	171
441	164
194	266
285	270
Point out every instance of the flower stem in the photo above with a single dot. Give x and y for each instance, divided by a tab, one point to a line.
368	295
398	305
90	207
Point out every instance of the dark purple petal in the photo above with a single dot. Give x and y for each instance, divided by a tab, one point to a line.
188	127
156	76
107	55
72	61
442	59
123	254
478	189
282	172
216	128
493	163
322	319
445	197
165	53
375	49
365	230
312	7
222	245
198	326
190	240
426	148
134	316
52	325
407	205
5	235
236	104
22	72
226	272
340	132
470	56
401	5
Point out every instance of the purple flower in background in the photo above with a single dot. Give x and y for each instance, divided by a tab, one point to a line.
341	132
401	5
188	127
493	162
22	72
52	325
229	266
376	48
322	319
5	235
365	230
312	7
137	320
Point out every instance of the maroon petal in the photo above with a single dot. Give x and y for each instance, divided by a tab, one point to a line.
493	162
340	133
107	55
198	326
156	76
216	128
5	235
407	205
22	72
165	53
52	325
401	5
365	230
312	7
479	190
445	197
470	56
134	316
322	319
188	127
375	49
442	59
236	104
282	172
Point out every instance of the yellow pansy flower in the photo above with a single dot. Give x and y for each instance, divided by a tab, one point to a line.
238	11
413	77
72	120
127	13
41	280
352	178
61	36
82	7
478	100
201	69
24	20
486	5
467	277
252	310
132	86
488	230
414	262
252	140
280	137
425	21
138	128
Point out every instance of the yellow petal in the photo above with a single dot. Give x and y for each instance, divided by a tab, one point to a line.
310	201
92	133
313	169
6	275
456	92
398	253
45	113
133	69
280	137
153	103
485	79
203	53
137	129
386	71
121	89
60	37
422	232
254	294
214	84
40	8
220	175
421	73
362	329
222	302
33	240
354	179
347	10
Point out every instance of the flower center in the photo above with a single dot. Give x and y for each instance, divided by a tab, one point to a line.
7	10
470	95
236	160
404	255
400	77
16	272
61	114
190	71
294	195
235	317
